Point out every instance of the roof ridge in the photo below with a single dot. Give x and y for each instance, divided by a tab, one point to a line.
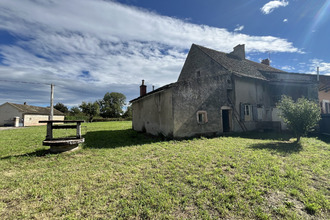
265	65
199	47
33	109
230	63
229	54
15	106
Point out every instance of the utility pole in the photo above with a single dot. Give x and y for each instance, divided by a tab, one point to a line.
51	101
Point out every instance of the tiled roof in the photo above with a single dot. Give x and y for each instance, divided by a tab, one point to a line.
242	67
29	109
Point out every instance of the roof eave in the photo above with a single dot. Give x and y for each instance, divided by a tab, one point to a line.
163	88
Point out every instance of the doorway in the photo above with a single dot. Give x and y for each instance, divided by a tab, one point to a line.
225	121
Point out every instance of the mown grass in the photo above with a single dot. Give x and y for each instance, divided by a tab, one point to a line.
122	174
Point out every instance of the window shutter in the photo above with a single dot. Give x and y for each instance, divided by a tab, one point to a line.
242	111
255	113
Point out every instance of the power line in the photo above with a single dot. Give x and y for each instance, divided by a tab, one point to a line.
2	80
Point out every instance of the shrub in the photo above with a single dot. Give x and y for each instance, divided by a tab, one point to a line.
301	116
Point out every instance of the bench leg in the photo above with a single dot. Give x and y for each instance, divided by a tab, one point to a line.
78	130
49	135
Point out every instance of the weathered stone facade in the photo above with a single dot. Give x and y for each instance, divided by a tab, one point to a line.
154	113
218	92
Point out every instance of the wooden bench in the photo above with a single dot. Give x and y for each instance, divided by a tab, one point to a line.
62	144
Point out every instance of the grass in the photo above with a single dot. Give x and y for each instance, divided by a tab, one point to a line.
121	174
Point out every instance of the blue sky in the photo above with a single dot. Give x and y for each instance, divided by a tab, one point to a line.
90	47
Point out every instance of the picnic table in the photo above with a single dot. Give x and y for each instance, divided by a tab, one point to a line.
64	143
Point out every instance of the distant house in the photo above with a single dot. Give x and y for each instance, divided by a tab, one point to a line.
219	92
28	115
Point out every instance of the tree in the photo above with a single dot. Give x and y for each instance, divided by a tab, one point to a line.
61	107
128	112
301	116
90	109
111	105
75	111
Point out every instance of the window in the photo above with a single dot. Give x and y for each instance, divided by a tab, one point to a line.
325	107
201	117
247	112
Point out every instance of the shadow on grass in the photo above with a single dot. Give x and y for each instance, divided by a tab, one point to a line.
38	153
117	138
324	138
102	139
283	147
263	135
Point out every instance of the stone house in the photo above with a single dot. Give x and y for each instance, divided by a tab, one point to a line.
25	115
219	92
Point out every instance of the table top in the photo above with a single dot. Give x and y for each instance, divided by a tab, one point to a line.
65	121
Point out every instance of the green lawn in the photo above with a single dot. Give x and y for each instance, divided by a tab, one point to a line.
122	174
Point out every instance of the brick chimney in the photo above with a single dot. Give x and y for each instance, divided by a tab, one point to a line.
266	62
239	51
143	89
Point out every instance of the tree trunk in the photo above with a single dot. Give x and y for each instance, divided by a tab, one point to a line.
298	138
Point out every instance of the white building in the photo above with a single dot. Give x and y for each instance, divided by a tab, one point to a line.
25	115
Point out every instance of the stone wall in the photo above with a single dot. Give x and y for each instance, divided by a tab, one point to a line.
153	113
198	64
205	95
256	94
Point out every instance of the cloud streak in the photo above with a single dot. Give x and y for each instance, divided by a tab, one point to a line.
272	5
239	28
87	48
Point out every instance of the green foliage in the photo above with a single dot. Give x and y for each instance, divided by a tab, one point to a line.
301	116
75	110
76	114
122	174
111	105
312	208
61	107
128	113
81	116
90	109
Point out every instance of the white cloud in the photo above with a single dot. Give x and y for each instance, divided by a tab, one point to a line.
288	68
272	5
239	28
285	20
116	45
324	67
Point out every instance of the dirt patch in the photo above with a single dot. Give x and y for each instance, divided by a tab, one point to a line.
277	199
